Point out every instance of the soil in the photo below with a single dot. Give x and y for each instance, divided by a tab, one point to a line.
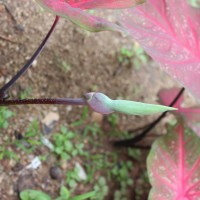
73	63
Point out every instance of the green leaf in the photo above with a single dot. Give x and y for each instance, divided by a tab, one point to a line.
58	139
8	114
84	196
34	195
58	150
63	130
64	192
65	156
72	183
68	146
10	155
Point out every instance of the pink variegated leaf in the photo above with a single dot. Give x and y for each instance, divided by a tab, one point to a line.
74	11
78	16
169	30
173	166
108	4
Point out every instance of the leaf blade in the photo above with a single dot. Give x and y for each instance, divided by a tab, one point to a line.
111	4
78	16
173	165
169	32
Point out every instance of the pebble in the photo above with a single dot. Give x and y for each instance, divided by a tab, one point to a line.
20	27
81	172
35	163
47	143
64	164
34	64
49	121
55	172
97	117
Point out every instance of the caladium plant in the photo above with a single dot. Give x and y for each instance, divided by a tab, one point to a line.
74	10
174	166
169	30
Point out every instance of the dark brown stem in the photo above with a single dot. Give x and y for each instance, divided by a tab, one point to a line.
4	89
62	101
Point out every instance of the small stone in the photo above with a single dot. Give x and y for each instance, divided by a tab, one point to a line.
64	164
34	164
49	121
18	135
68	108
55	172
81	172
47	143
19	27
97	117
34	64
26	144
12	163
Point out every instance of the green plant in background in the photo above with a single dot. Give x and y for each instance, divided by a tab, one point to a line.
31	139
101	189
72	177
135	56
5	152
65	194
122	175
98	162
64	146
135	153
69	145
34	195
113	119
93	129
83	118
65	66
5	114
142	185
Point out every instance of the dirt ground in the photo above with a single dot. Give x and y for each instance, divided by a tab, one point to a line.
73	63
